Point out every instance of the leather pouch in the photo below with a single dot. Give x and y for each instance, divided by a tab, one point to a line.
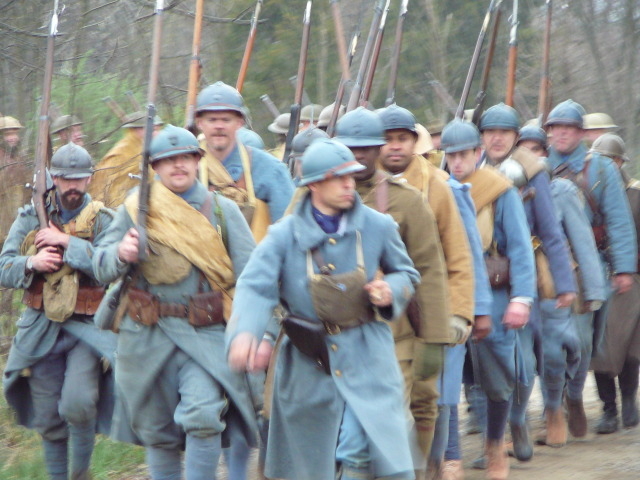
497	270
32	297
143	307
205	309
308	337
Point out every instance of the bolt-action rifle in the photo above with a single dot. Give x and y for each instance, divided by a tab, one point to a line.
395	56
195	68
373	63
248	49
513	56
544	99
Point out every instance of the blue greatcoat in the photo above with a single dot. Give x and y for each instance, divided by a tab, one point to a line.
451	376
148	405
500	358
308	404
271	180
36	334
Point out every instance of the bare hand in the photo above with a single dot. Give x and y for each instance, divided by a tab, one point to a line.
481	327
47	260
51	237
379	293
622	282
128	247
565	299
242	352
516	315
263	355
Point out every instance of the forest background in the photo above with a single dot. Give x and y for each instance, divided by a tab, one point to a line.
104	49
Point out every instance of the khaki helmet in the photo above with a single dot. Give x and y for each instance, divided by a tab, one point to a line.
281	124
597	121
435	128
610	145
424	144
9	123
139	120
310	113
325	115
63	122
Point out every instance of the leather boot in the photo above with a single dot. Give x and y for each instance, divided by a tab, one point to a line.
497	460
522	446
556	427
577	418
608	422
629	411
453	470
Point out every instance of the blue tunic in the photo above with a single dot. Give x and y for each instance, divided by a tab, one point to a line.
308	404
271	180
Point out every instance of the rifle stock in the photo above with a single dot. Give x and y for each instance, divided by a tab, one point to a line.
43	145
395	56
194	69
246	57
297	103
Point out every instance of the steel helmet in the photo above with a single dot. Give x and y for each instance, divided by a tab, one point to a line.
360	128
459	135
71	161
172	141
533	133
597	121
281	124
500	117
311	112
302	140
395	118
325	115
9	123
220	97
424	144
566	113
63	122
249	138
139	120
326	159
610	145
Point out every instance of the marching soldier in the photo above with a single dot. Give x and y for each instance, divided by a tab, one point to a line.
502	223
596	124
259	183
335	368
499	127
398	157
177	307
55	377
325	116
309	116
280	126
620	353
119	170
607	209
560	342
68	128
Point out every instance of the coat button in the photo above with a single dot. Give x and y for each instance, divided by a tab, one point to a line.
332	241
334	347
338	373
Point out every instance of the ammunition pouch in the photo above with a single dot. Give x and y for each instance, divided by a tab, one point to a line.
143	307
309	338
497	270
87	302
206	309
600	236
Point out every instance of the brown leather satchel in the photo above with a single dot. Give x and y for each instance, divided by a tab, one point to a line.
308	337
205	309
143	307
497	270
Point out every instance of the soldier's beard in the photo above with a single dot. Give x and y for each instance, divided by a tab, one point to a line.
71	203
10	150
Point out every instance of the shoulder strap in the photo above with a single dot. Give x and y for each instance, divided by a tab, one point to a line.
382	193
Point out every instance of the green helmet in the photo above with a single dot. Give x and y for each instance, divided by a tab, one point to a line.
9	123
610	145
566	113
500	117
63	122
597	121
533	133
220	97
325	115
139	120
71	161
326	159
172	141
360	128
395	118
281	124
249	138
310	113
302	140
459	135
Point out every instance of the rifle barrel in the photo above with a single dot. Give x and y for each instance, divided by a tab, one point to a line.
246	57
543	99
373	63
513	56
395	56
194	67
